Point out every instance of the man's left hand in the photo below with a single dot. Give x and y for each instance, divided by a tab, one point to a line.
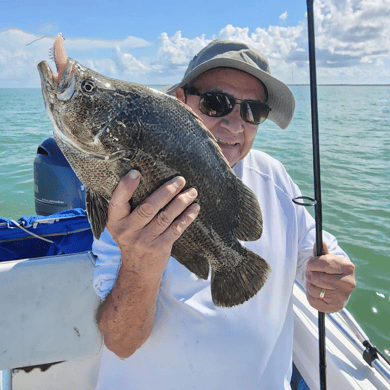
330	280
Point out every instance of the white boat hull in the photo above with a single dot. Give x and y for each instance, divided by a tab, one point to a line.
345	367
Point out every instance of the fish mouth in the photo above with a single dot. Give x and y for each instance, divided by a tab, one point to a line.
60	86
54	87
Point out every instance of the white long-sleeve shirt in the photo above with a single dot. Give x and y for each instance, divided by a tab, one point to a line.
195	345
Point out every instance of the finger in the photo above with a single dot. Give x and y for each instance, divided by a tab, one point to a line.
324	280
119	206
321	305
176	207
148	209
330	264
177	228
330	303
325	249
315	291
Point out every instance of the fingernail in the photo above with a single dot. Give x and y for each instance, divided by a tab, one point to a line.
192	192
179	180
134	174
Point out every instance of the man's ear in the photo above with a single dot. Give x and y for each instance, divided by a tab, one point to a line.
179	93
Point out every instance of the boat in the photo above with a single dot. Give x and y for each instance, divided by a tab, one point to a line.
49	336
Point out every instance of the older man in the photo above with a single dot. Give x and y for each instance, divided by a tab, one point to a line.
161	329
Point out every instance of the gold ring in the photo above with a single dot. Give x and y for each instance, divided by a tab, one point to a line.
322	294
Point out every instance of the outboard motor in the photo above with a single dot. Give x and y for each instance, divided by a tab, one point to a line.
57	188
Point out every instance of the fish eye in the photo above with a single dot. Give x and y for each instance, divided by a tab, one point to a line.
88	86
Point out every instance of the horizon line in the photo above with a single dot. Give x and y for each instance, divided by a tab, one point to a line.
292	85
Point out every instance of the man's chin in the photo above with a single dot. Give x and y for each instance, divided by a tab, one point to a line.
231	153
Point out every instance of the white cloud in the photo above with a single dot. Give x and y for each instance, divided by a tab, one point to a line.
126	63
352	45
352	30
283	16
21	51
104	66
177	51
275	42
92	44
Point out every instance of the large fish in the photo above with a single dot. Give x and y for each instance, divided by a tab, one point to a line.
107	127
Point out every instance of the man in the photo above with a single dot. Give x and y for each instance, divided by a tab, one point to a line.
157	316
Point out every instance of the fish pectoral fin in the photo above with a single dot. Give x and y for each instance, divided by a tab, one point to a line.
249	221
231	286
97	210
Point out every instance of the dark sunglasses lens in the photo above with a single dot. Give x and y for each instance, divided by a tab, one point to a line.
254	112
216	104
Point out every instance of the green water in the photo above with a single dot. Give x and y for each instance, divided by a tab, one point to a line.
355	174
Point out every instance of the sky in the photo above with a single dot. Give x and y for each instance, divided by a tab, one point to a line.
151	42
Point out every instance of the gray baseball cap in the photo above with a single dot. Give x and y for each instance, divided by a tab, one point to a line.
236	55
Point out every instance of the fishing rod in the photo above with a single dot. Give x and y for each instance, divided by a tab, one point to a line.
316	202
317	179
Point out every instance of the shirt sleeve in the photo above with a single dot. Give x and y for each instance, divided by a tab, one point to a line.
108	263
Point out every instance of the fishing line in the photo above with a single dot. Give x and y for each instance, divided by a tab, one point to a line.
38	39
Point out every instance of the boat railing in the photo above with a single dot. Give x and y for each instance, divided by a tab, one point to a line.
359	339
349	327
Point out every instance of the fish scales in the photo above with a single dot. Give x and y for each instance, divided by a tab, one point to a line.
107	127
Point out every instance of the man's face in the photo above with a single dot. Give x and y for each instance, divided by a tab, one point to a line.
235	136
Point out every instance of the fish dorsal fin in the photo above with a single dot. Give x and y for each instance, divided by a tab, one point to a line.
97	210
249	221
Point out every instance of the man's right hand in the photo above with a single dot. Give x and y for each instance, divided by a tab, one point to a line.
145	237
148	232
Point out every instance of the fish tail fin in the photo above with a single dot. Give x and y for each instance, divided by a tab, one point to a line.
234	286
97	210
248	217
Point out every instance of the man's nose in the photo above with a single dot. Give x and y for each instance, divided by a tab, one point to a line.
233	121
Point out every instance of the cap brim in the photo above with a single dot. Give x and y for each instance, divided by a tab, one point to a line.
280	98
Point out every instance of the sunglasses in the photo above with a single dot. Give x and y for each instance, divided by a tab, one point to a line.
217	104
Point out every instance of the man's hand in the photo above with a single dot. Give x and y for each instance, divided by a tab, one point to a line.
145	237
148	232
334	276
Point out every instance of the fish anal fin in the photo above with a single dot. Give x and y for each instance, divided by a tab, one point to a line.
191	259
97	210
234	286
249	221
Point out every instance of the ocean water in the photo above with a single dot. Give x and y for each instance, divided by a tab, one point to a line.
354	123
